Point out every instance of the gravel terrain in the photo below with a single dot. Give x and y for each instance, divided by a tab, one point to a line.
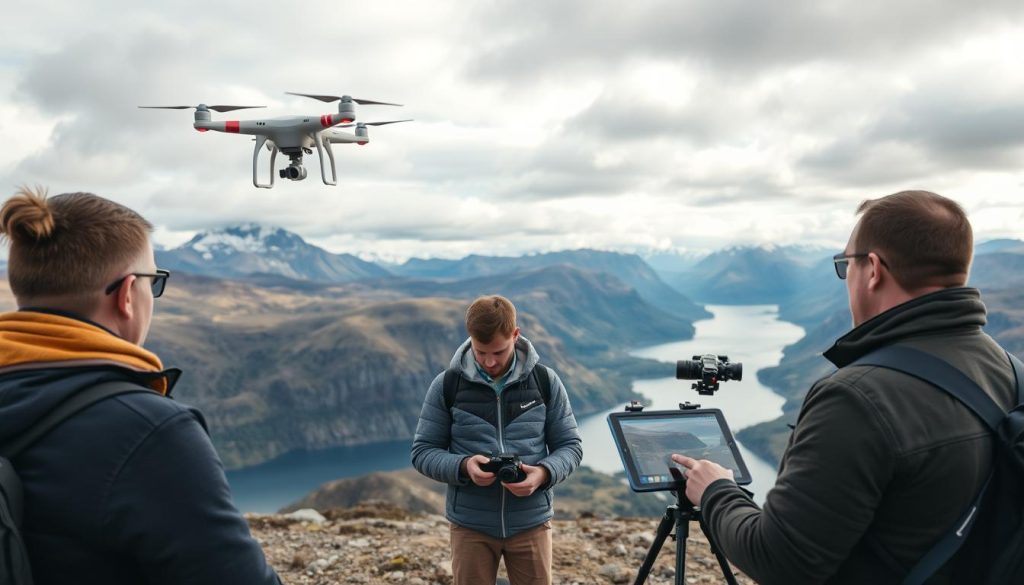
372	543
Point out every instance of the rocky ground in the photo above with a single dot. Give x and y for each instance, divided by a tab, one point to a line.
378	543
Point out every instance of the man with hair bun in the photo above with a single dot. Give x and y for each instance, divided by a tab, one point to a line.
496	398
129	489
881	465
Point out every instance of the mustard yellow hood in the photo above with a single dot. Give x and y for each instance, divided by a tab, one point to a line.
30	339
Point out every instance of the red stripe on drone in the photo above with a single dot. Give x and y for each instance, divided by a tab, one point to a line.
325	120
231	126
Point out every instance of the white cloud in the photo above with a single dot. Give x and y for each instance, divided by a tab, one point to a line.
539	125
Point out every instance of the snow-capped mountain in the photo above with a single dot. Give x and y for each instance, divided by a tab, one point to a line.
252	249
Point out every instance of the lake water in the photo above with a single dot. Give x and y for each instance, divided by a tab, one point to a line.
273	485
752	335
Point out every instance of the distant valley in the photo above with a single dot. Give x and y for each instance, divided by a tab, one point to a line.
289	347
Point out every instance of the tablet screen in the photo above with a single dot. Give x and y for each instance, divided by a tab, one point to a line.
646	442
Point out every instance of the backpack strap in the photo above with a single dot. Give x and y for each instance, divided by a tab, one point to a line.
941	374
951	380
70	406
543	378
10	490
452	378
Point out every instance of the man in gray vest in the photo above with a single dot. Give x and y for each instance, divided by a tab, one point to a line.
496	399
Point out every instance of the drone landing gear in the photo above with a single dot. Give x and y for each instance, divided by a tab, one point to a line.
320	148
260	141
294	171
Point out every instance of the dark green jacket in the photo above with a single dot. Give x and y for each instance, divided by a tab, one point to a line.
875	453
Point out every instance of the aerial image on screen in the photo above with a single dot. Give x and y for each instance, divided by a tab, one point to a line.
652	441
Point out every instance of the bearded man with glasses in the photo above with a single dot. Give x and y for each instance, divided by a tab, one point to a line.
125	485
881	465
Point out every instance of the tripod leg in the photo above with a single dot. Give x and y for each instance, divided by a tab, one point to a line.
722	561
682	533
664	528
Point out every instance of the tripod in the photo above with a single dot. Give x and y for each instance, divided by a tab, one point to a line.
679	515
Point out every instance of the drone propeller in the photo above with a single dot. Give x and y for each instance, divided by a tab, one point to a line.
373	123
202	107
344	98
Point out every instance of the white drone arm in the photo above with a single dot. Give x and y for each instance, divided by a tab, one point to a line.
339	137
260	141
320	148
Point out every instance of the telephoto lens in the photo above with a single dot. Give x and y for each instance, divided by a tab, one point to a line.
688	370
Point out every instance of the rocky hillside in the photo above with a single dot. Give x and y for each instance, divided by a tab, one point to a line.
585	493
280	365
378	543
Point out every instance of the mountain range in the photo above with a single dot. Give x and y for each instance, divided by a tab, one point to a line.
753	275
248	249
628	268
253	251
287	346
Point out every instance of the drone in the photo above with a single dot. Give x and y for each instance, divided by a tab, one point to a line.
293	135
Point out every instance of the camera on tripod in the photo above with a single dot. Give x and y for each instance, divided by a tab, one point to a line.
709	370
646	440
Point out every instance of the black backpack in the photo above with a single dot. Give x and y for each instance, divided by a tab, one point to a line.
453	378
14	565
995	554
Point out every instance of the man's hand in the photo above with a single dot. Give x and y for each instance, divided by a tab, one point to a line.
471	467
536	476
699	475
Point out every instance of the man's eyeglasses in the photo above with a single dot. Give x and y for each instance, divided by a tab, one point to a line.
842	262
158	284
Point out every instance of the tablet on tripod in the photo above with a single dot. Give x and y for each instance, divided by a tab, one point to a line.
646	441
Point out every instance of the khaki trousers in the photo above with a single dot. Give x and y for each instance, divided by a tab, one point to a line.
527	555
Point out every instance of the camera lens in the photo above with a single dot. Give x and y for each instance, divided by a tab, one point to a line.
508	474
733	371
688	370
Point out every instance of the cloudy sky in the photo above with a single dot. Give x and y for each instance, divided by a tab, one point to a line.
539	125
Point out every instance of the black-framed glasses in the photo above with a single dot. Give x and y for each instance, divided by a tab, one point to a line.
158	284
842	262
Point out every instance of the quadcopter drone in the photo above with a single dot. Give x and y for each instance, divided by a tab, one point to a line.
293	135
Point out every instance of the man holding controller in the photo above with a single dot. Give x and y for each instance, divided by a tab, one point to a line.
498	429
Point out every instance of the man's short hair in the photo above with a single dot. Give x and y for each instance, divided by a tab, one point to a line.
925	239
69	244
489	316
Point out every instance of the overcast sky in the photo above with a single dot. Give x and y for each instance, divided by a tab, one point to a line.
540	125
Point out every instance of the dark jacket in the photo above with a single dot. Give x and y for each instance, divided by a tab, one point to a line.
877	455
483	422
129	490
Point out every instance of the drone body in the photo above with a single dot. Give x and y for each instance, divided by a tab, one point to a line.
292	135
